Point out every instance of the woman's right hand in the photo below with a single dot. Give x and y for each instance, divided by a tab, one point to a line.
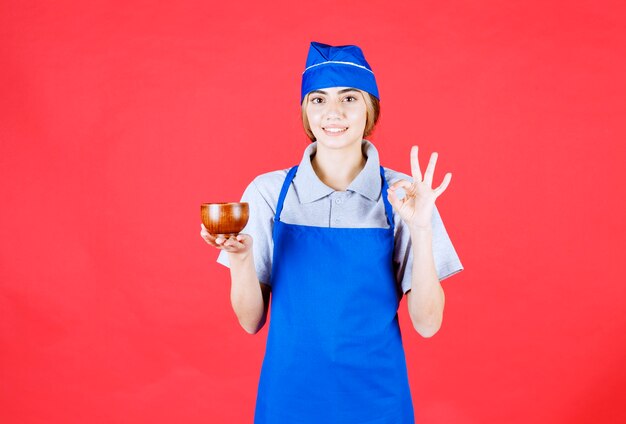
237	245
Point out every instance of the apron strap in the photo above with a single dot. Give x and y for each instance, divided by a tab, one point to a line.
383	193
292	173
283	191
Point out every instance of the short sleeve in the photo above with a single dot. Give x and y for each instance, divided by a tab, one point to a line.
447	261
259	226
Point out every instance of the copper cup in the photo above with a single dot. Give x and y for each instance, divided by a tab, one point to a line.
224	219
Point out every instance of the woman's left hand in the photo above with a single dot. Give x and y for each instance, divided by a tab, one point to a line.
416	207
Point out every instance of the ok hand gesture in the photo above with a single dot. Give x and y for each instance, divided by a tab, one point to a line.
416	207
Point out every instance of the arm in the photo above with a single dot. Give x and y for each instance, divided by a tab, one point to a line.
426	298
249	298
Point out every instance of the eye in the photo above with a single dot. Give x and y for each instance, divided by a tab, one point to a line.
316	100
350	98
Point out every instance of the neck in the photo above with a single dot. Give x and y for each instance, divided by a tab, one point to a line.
337	168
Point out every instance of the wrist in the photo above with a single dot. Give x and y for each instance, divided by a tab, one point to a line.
420	230
239	257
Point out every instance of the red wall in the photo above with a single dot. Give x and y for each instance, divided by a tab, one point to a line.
117	119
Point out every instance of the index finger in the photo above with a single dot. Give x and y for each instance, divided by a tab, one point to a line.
206	235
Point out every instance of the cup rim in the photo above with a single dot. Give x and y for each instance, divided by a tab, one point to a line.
223	203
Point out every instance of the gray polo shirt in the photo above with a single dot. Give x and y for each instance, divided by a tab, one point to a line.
311	202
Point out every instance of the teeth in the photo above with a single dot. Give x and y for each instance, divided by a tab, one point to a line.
335	130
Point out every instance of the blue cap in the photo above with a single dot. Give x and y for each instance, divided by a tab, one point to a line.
337	66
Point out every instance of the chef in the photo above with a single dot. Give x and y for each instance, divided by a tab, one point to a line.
335	242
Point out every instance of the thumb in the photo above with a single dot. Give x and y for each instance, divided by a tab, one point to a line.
246	239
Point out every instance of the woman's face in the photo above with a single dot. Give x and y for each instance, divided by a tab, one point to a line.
337	116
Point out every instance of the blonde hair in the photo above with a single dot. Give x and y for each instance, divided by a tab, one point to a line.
372	105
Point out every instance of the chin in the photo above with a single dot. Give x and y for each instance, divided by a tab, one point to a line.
338	142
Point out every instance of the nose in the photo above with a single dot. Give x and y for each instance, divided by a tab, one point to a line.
333	110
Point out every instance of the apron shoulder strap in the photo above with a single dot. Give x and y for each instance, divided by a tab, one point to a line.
283	191
383	193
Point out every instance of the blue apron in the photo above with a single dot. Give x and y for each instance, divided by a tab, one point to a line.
334	351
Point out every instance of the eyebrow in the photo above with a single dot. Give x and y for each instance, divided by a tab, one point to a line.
345	90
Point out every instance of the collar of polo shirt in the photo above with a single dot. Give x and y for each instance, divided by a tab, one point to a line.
310	188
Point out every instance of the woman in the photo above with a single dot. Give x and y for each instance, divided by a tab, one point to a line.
335	248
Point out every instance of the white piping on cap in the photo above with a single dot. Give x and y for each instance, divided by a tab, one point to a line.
336	61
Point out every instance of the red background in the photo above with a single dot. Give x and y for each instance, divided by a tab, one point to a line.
117	119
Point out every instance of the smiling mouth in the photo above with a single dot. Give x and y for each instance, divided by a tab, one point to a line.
334	130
